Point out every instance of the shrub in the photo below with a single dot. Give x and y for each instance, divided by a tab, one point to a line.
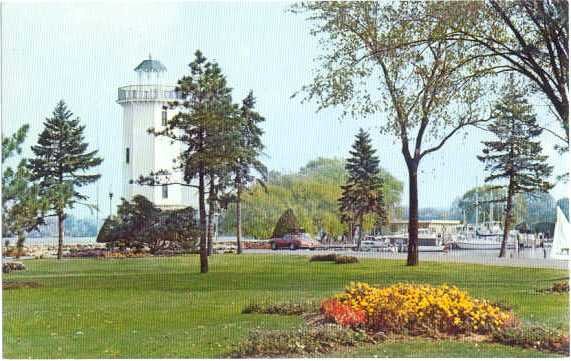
423	309
537	337
297	342
346	259
323	258
286	308
287	223
560	287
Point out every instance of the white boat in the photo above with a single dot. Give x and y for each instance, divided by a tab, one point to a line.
485	236
561	238
428	241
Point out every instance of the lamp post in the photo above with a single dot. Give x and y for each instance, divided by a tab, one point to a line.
110	200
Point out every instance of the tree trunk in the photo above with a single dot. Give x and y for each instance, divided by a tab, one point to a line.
211	208
350	233
507	220
202	216
60	218
239	220
20	244
360	237
412	257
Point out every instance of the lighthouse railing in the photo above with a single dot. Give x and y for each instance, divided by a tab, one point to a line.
148	93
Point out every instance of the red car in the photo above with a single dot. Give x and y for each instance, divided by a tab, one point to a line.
294	241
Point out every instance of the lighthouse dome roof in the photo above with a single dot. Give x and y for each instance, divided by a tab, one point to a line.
150	65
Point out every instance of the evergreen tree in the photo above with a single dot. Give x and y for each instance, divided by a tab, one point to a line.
287	223
514	156
204	128
362	194
60	163
22	206
247	153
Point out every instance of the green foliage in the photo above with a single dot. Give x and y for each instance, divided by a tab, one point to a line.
284	308
312	193
387	58
220	141
514	156
60	163
537	337
362	194
140	223
61	159
286	224
22	205
13	144
301	342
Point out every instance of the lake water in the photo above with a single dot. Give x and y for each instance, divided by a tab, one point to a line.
52	241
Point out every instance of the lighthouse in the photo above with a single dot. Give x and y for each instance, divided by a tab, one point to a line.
145	106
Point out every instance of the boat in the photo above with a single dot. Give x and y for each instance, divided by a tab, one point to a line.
484	236
428	241
561	238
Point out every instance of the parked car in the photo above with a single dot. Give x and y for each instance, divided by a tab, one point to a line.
294	241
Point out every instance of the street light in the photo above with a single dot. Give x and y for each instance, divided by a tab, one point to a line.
110	199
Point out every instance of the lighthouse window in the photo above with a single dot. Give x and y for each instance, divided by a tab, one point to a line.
165	191
127	155
164	117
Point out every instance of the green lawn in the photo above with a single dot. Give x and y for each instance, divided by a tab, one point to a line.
162	307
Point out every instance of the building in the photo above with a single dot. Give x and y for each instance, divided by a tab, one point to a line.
145	106
441	226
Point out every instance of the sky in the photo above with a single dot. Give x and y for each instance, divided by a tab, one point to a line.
83	52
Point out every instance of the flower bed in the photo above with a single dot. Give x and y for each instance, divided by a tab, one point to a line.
415	309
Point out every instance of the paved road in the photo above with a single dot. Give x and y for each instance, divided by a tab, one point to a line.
527	258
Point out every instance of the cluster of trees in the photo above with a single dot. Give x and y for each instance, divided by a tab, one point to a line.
313	194
139	224
47	184
529	208
221	146
431	67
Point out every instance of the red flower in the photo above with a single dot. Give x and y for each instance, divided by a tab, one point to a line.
342	314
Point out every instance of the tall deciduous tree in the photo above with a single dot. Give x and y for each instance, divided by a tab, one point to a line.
530	38
363	193
61	162
514	156
371	64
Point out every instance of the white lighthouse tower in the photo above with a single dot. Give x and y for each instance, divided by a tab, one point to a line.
145	106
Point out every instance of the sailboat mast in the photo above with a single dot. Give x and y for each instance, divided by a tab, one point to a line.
491	208
477	208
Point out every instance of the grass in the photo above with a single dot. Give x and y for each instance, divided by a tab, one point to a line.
162	307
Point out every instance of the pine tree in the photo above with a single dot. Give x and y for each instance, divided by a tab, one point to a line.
246	161
287	223
22	206
60	163
363	192
205	131
514	156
